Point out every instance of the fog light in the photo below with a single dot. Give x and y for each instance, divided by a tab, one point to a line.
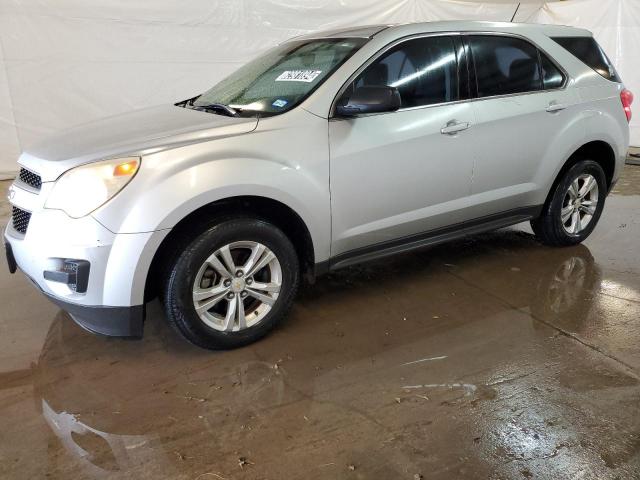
74	274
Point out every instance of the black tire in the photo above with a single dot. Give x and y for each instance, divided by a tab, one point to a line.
549	228
177	294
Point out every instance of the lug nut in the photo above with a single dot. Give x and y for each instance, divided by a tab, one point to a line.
239	273
227	283
249	281
230	296
243	294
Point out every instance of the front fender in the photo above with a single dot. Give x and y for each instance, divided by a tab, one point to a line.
279	162
158	206
161	204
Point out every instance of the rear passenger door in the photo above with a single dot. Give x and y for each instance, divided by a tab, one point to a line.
522	107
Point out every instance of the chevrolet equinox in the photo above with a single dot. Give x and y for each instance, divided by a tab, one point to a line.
330	149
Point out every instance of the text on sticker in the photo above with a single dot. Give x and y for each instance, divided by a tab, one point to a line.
298	76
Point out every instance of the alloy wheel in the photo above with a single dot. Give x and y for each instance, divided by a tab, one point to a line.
580	204
237	286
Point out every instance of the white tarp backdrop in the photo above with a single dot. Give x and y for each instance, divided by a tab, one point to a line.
616	26
64	62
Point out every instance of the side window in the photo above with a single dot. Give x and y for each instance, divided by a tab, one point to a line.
552	77
424	70
505	65
588	51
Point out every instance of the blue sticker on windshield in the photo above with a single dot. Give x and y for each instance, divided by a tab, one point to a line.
279	103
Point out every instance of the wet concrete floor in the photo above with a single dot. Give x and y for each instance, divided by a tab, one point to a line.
491	357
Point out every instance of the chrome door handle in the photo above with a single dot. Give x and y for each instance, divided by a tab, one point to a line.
555	107
453	127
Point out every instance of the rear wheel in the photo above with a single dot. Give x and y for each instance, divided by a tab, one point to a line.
231	284
575	208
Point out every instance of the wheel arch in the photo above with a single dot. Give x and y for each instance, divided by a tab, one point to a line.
269	209
599	151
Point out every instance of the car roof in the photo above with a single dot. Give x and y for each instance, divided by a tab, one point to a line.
365	31
370	31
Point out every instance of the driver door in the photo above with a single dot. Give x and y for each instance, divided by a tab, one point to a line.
397	175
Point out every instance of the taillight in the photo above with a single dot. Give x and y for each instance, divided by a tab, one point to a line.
627	99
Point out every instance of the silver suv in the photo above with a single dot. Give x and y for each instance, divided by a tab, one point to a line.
328	150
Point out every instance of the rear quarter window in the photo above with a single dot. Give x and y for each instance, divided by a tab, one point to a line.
589	52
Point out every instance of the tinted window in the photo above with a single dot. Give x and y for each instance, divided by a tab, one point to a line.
423	70
588	50
504	65
552	77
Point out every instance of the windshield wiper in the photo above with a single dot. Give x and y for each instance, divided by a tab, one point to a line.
188	102
221	107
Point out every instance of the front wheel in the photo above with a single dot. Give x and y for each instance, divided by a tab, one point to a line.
232	283
575	208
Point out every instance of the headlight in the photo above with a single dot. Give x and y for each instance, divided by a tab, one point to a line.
81	190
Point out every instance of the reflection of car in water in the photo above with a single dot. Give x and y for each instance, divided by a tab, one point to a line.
555	285
118	406
563	293
98	452
109	414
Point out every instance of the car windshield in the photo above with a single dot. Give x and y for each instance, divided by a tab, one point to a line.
281	78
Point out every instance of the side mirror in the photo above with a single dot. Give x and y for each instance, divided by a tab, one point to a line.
372	99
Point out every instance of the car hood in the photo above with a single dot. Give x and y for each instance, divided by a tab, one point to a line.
135	133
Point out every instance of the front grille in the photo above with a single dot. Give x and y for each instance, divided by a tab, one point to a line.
20	219
32	179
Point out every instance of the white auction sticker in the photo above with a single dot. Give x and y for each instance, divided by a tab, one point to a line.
298	76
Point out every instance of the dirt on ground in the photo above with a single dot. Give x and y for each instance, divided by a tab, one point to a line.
492	357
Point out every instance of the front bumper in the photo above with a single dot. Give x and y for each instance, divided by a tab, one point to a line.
110	321
113	303
103	320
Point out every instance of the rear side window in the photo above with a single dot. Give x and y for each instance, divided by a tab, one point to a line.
505	65
588	51
424	70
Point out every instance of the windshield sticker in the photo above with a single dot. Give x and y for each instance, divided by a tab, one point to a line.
307	76
279	103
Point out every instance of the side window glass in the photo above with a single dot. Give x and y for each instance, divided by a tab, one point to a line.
588	51
424	70
551	76
505	65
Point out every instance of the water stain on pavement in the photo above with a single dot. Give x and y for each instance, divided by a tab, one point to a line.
490	357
